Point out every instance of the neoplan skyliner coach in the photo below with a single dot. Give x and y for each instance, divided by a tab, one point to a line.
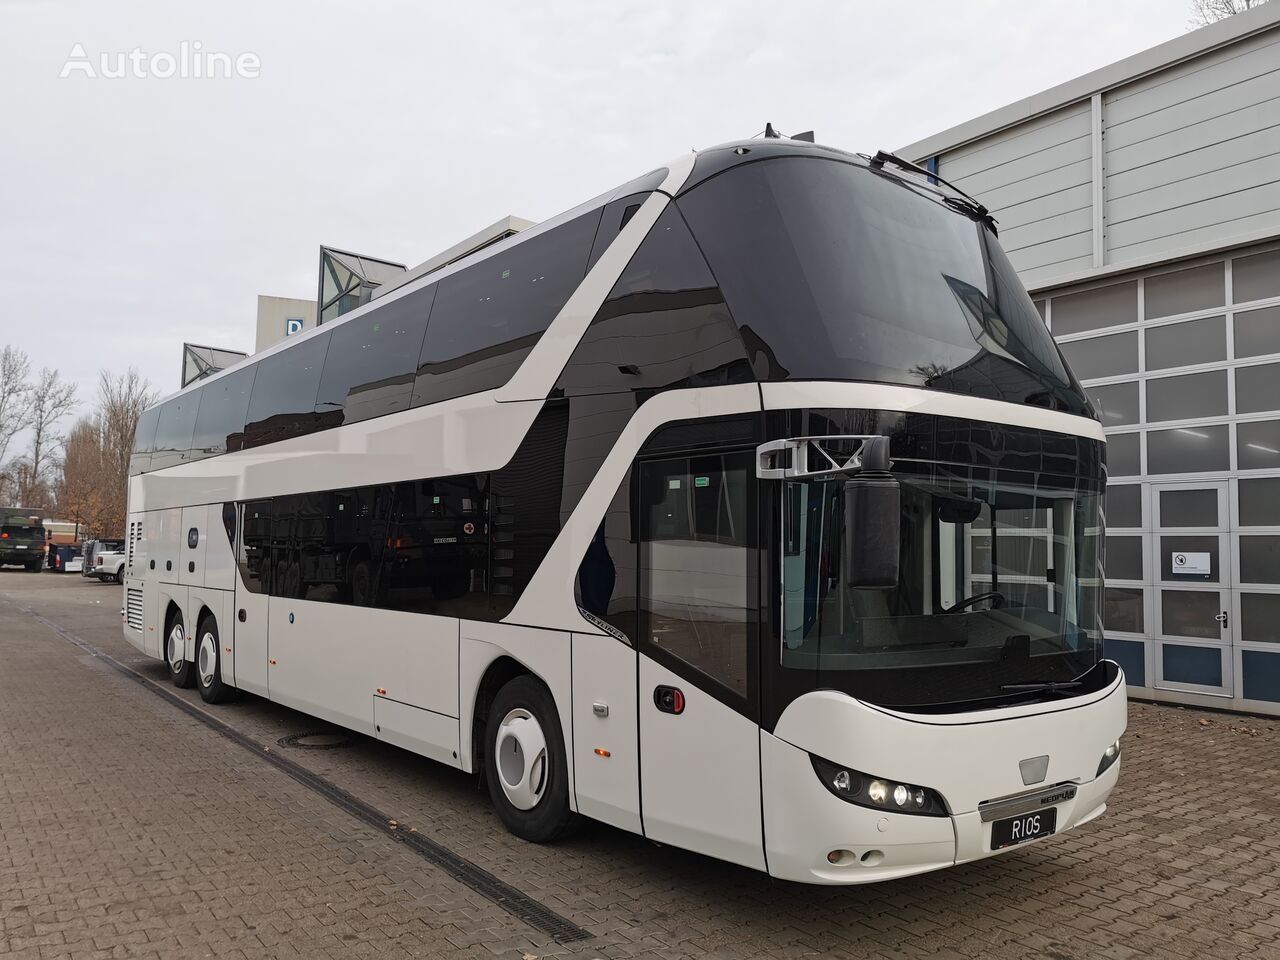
749	507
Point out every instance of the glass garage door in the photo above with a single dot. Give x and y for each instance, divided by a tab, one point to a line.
1182	364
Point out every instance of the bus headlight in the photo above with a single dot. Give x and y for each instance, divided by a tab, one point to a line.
877	793
1109	756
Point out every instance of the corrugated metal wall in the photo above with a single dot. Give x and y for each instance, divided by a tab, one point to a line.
1038	179
1193	153
1182	159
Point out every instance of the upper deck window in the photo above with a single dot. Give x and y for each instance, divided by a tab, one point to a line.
835	272
487	317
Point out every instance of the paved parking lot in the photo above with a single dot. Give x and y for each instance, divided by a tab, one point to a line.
130	827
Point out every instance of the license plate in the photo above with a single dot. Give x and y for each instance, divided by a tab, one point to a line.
1029	826
22	546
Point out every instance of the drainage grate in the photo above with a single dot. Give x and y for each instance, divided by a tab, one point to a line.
525	908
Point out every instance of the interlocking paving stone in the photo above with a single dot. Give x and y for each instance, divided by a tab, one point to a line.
128	828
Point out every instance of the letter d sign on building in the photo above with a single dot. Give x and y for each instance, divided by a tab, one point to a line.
293	325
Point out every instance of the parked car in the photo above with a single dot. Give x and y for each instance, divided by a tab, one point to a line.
108	565
94	547
22	538
67	558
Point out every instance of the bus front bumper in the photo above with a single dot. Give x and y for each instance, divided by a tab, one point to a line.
814	836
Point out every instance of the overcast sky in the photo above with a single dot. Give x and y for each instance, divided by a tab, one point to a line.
139	213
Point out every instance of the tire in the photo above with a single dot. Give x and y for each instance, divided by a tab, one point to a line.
118	576
525	766
181	670
208	665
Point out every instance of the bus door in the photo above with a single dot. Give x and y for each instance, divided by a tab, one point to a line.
253	579
698	642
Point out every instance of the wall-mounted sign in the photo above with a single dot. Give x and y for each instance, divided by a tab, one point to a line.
293	325
1191	564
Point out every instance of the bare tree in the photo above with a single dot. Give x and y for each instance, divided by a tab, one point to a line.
79	492
121	400
15	391
1205	12
51	400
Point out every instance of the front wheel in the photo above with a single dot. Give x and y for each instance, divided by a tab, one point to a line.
209	664
526	771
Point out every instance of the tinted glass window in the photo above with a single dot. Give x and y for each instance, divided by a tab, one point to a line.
695	563
1103	356
665	323
1258	388
437	556
488	316
1256	277
1094	309
1187	397
174	428
1123	455
1115	403
370	366
1257	332
1260	502
1187	450
284	393
223	405
833	271
1122	609
254	555
1196	288
1124	558
617	214
1124	506
1258	445
144	438
1182	344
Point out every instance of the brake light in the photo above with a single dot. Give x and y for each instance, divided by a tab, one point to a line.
4	536
97	562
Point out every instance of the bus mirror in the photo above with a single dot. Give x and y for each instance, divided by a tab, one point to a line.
959	511
872	521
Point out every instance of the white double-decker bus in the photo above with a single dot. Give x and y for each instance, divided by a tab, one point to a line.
749	507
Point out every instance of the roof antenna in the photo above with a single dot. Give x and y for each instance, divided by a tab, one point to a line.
770	133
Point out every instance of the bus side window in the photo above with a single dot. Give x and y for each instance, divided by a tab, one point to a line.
254	554
696	561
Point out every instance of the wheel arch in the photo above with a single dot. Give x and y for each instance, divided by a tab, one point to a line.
501	671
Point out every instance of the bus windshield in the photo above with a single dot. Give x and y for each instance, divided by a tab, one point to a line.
998	592
833	271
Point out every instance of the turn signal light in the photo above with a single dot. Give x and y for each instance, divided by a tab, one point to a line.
601	752
382	691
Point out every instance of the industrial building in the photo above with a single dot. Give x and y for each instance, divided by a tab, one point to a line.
1140	204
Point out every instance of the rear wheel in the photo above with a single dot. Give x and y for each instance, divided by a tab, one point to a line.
209	664
526	771
181	670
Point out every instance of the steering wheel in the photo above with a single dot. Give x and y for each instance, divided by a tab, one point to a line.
995	596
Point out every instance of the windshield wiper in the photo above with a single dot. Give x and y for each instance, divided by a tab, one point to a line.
1042	686
963	203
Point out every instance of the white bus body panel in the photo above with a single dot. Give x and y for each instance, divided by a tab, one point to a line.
968	758
331	659
191	559
545	653
167	544
252	667
701	783
607	787
219	558
433	735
